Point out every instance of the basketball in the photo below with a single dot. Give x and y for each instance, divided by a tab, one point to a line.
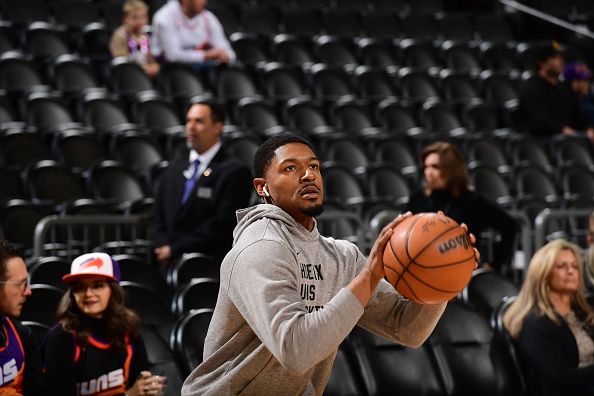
429	258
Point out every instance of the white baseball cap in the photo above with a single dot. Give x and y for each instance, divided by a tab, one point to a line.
93	264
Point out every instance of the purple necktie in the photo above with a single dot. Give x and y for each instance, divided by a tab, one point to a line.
191	182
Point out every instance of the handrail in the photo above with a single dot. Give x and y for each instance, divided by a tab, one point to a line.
542	219
48	225
583	30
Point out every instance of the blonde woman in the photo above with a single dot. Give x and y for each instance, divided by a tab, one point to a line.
553	324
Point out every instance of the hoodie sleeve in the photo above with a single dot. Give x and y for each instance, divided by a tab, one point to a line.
264	288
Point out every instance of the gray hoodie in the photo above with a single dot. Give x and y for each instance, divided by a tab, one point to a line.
283	310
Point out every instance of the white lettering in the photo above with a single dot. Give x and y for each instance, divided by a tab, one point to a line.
110	380
8	371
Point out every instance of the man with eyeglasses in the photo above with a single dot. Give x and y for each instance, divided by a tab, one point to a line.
20	361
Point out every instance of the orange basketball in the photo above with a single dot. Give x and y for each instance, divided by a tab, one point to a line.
429	258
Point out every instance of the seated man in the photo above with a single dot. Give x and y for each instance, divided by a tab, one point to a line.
548	107
184	31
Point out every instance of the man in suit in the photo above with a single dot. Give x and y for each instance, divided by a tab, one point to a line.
196	201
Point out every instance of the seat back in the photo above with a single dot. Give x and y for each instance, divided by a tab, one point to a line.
486	290
463	344
41	306
188	337
162	360
193	265
198	293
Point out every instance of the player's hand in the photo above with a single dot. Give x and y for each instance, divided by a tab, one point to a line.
477	255
375	261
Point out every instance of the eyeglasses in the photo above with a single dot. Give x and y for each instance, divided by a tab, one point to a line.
95	287
21	285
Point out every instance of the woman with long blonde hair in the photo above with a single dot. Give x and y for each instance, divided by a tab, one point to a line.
553	324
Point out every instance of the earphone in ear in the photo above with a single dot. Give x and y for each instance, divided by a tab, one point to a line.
265	191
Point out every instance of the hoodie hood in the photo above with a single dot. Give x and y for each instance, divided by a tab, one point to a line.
248	216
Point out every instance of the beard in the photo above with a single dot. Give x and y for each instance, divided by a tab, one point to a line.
313	211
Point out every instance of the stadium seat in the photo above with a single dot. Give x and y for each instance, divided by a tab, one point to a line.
102	111
162	360
417	86
488	182
352	116
243	148
72	75
292	50
41	306
149	305
334	51
257	115
533	183
304	115
418	372
341	187
179	82
234	83
529	151
42	179
385	182
499	57
486	151
11	185
78	149
577	183
45	42
198	293
398	118
347	152
572	151
249	48
135	150
345	377
49	270
464	342
378	54
374	84
111	182
486	290
503	337
330	83
187	337
193	265
127	78
459	88
19	148
282	82
47	111
152	111
440	118
18	73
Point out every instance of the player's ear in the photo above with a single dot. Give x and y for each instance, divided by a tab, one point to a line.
259	185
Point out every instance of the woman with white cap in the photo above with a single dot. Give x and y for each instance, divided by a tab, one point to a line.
96	349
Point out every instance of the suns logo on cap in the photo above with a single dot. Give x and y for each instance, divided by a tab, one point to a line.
92	262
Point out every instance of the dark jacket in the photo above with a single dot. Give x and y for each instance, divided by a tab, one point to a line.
550	357
478	213
205	222
546	108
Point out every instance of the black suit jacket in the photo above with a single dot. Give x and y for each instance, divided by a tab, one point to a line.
549	355
206	221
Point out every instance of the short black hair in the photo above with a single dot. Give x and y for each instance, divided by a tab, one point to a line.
7	251
217	113
265	152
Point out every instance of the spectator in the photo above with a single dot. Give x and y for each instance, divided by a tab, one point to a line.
96	348
547	106
553	324
130	39
185	31
578	76
447	188
197	198
290	296
20	361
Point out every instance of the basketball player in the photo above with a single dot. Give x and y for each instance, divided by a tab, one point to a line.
20	361
289	296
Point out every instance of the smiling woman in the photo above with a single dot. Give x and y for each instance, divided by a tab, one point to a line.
96	347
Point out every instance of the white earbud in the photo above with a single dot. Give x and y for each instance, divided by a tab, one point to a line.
265	191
